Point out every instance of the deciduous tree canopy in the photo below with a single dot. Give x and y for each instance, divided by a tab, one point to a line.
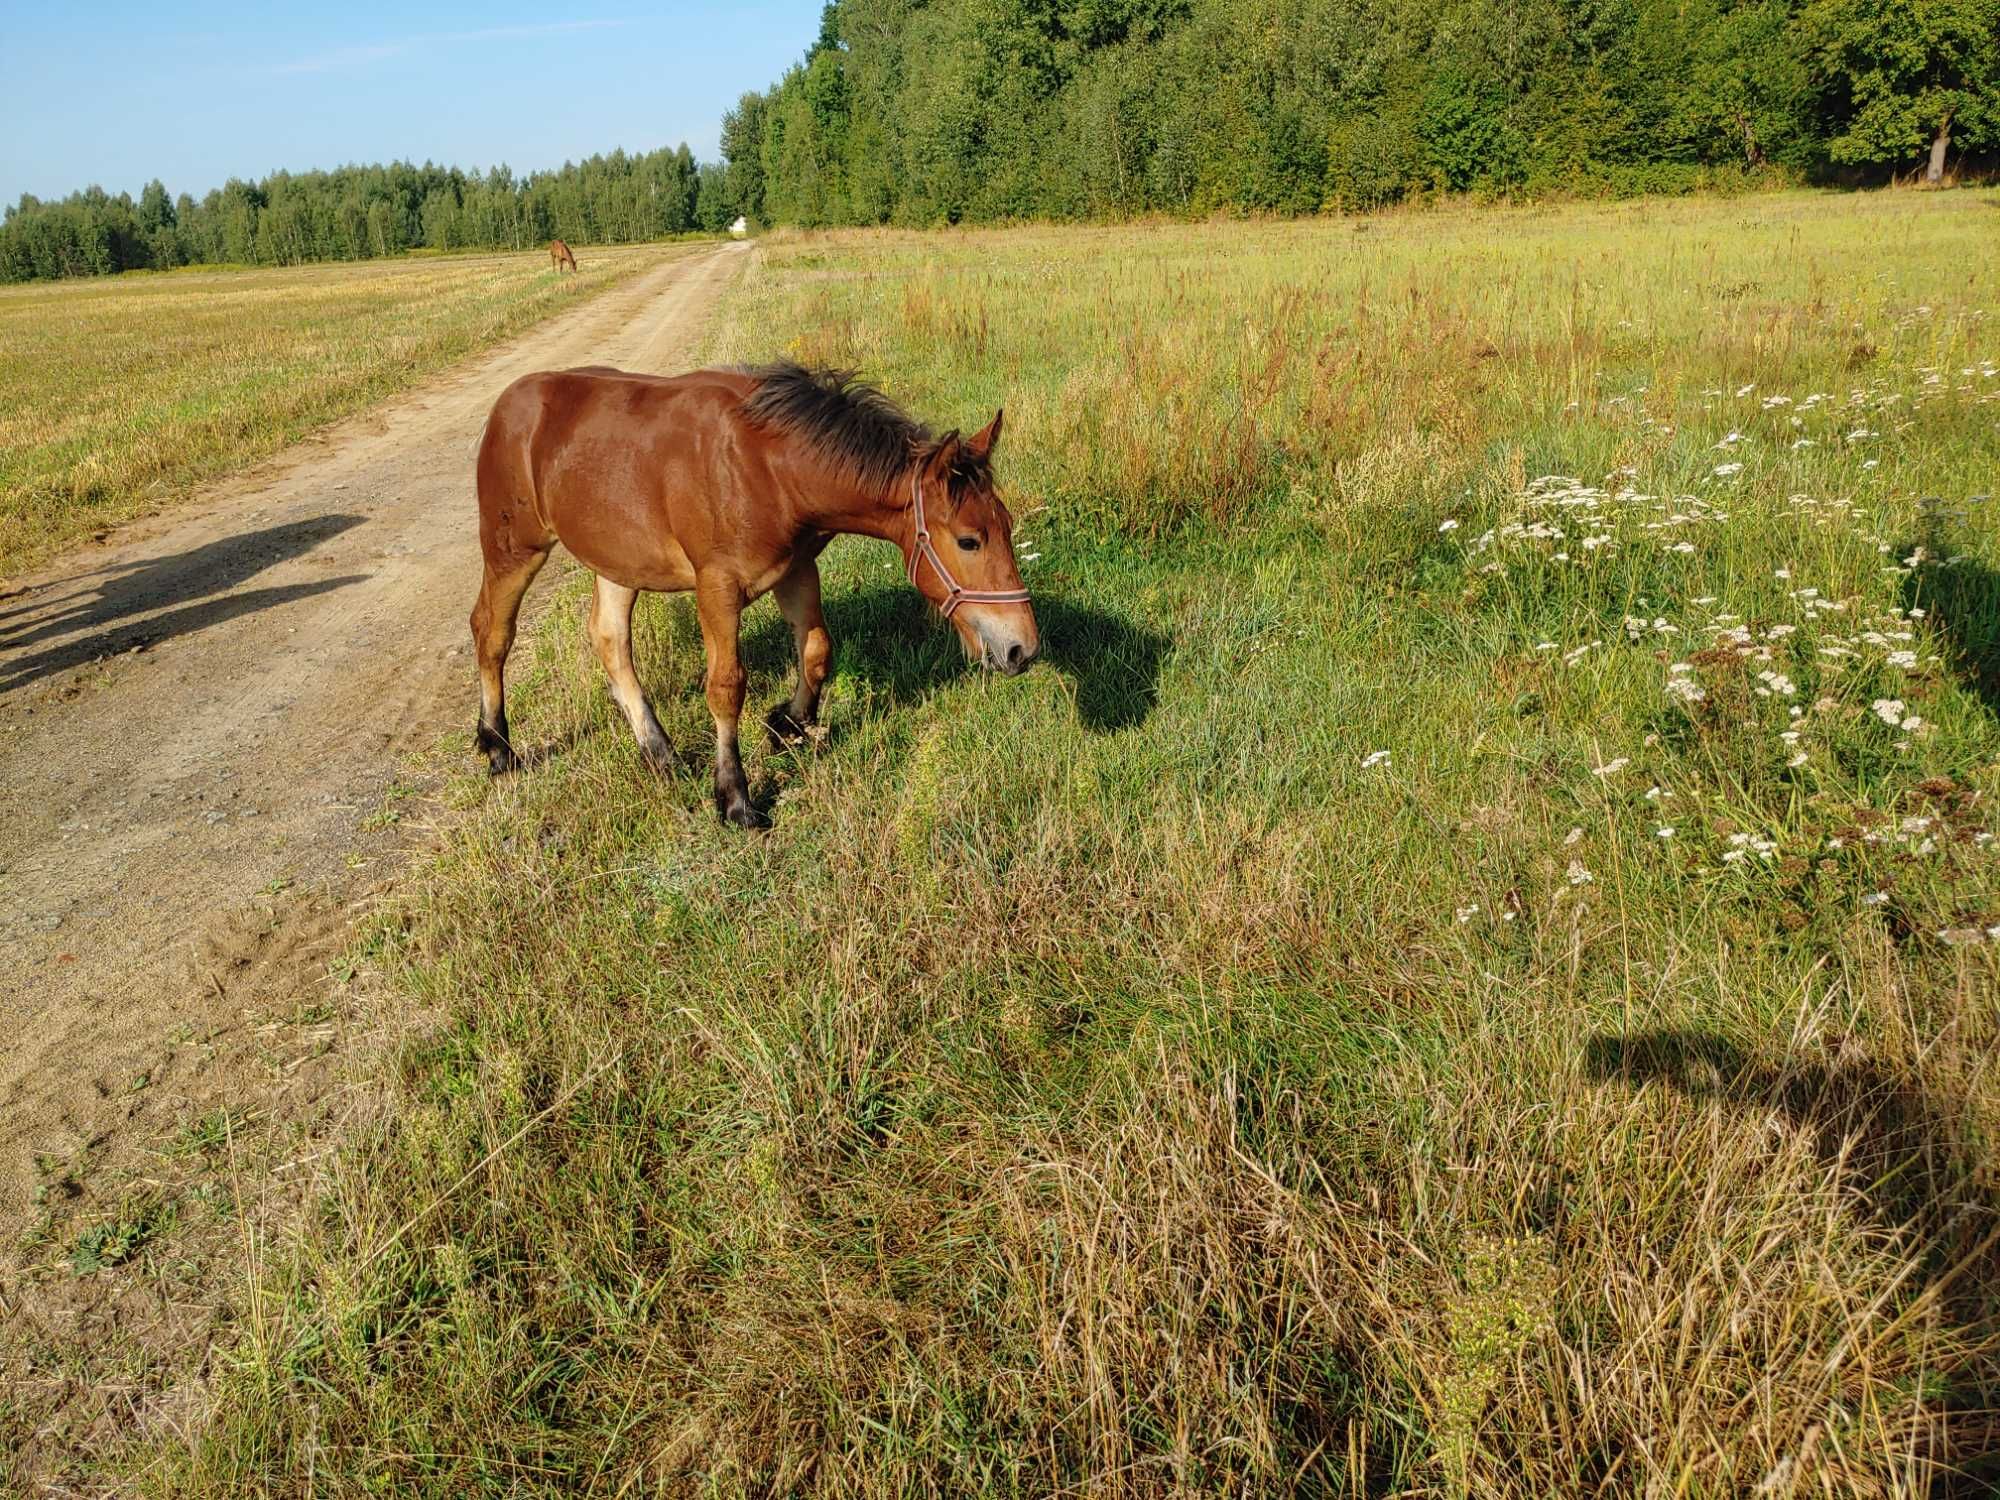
924	110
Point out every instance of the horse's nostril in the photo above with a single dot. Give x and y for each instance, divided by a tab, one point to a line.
1014	655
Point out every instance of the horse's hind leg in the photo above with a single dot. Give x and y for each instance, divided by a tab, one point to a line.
797	594
611	637
493	617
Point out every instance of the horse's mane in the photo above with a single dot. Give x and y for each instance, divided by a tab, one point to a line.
847	421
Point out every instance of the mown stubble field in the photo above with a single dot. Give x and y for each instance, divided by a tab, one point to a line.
1469	970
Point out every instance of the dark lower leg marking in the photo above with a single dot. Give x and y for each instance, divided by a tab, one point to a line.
493	618
719	602
799	601
785	729
492	742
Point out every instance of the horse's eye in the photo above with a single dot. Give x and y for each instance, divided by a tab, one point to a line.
968	544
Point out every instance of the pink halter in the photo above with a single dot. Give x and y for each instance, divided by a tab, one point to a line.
925	552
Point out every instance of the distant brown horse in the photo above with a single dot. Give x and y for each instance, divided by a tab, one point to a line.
561	254
730	483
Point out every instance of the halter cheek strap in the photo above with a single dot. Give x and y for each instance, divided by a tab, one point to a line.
923	551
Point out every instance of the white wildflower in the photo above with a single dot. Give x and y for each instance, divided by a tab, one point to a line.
1775	682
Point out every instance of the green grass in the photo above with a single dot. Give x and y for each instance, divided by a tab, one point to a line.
119	394
1348	1023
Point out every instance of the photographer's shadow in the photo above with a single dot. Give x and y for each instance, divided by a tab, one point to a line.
889	638
1913	1164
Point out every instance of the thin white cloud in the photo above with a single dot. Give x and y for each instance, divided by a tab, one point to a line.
355	57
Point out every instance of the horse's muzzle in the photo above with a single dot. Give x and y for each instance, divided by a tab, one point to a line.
1005	650
1014	660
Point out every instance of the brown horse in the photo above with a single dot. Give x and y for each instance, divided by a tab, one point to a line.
730	483
562	255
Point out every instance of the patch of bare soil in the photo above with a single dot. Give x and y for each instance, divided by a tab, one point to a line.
214	734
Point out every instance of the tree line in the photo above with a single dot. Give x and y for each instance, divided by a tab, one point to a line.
357	212
926	111
929	111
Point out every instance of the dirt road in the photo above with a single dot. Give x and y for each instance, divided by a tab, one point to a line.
200	723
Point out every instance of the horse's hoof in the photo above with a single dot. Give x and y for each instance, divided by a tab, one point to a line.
500	756
743	815
784	730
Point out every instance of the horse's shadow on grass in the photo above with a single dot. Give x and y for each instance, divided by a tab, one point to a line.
890	639
1915	1167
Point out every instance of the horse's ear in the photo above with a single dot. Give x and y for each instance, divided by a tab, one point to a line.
943	457
982	443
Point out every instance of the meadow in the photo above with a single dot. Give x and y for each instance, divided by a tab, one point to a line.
1469	969
119	394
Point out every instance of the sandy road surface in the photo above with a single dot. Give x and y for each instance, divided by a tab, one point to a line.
214	708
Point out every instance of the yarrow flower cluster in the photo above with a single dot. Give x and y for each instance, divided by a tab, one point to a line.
1792	667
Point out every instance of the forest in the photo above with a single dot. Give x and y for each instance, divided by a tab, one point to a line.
924	112
355	213
929	111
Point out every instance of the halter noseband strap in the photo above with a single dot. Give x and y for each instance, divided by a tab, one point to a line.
925	552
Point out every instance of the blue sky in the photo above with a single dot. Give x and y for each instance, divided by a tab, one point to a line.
117	93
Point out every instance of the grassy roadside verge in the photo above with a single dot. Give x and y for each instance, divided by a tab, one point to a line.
119	395
1469	971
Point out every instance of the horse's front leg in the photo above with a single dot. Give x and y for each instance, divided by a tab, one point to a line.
798	600
719	602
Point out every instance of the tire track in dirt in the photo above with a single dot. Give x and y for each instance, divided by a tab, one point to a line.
213	707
